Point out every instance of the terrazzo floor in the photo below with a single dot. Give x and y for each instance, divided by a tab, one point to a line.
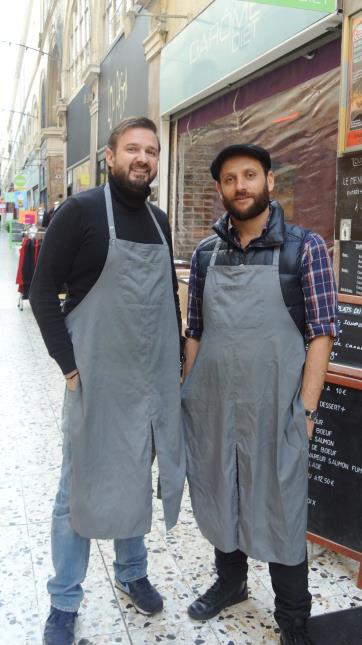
180	563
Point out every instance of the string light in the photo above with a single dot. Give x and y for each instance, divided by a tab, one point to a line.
26	47
17	112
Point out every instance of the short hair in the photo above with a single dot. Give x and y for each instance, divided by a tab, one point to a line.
128	124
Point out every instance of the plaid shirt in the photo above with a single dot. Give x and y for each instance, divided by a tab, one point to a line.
318	286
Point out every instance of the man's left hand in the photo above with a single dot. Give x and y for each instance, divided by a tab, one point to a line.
310	428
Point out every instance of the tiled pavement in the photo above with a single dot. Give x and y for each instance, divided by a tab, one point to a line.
180	563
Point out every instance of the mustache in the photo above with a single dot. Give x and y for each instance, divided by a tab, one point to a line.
242	194
140	166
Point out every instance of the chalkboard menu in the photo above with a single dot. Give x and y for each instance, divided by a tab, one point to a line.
335	467
350	271
349	197
347	348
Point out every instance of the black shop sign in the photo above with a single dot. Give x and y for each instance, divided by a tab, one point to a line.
78	126
123	82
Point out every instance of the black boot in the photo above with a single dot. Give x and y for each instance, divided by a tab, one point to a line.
295	636
219	596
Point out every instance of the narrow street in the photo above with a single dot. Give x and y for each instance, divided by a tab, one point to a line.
180	563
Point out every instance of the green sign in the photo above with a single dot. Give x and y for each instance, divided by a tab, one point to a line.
326	6
19	181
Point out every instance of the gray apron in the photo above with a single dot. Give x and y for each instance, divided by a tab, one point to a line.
244	421
126	345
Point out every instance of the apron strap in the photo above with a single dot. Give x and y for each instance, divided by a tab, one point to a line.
156	224
110	218
215	252
276	254
109	208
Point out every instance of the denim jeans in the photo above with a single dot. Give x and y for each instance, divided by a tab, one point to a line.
70	551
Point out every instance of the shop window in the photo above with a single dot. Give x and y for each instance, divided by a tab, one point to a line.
112	19
101	172
43	106
79	41
298	126
80	178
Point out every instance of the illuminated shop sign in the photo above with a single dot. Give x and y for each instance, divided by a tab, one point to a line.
231	39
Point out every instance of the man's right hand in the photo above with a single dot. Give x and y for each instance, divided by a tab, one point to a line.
191	348
72	380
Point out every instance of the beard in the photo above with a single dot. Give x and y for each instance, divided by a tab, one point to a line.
261	201
136	185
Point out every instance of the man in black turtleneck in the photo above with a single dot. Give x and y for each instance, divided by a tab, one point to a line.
116	341
75	250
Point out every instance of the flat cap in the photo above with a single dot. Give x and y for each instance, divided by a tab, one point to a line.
247	149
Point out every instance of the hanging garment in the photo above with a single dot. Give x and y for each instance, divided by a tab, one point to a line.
244	421
126	346
28	257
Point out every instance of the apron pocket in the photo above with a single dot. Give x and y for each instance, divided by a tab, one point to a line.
142	277
235	317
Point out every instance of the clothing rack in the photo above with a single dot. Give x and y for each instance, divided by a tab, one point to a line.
28	256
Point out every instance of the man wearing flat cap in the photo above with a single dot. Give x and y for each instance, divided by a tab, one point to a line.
260	290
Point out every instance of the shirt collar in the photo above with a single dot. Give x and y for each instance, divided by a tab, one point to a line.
234	233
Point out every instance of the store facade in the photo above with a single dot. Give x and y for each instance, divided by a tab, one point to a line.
123	87
236	84
78	142
32	170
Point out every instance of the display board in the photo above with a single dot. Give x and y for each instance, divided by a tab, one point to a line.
350	269
335	465
16	231
347	348
348	224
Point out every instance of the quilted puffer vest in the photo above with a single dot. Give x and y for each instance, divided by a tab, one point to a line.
289	237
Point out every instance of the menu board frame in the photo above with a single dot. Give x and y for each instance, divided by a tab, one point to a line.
350	267
354	383
339	368
353	84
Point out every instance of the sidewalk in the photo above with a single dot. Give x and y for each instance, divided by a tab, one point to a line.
180	563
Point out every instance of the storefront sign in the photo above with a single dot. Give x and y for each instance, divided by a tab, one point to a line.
27	216
326	6
19	181
123	85
32	172
354	111
229	40
78	124
21	199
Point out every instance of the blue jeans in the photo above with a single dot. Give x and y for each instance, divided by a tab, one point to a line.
70	551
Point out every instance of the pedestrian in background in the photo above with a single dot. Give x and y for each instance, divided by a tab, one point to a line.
48	215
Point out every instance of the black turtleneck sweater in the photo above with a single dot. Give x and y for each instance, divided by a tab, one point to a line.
74	252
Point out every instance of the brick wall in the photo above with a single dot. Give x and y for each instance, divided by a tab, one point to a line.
299	128
55	179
